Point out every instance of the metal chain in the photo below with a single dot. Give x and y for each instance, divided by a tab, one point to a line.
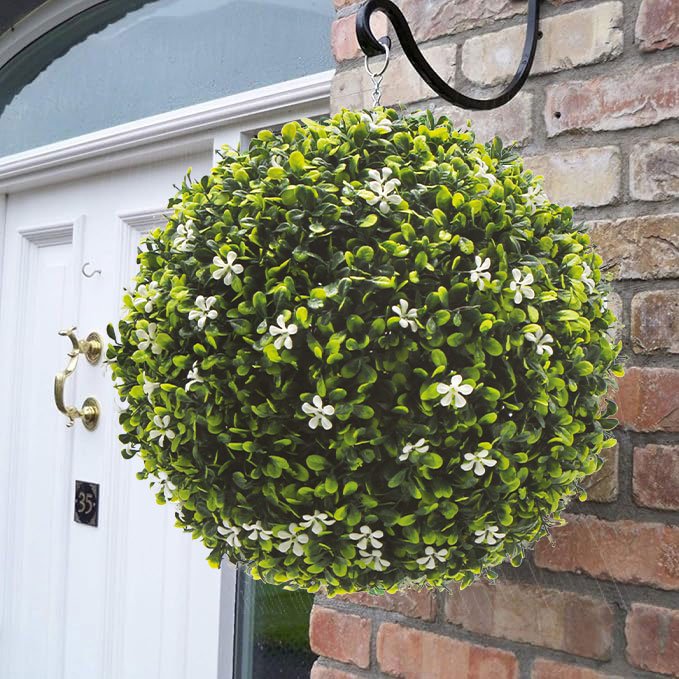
377	76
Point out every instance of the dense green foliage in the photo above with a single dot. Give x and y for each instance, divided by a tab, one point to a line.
366	352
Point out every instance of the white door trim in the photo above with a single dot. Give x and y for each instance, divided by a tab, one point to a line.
148	139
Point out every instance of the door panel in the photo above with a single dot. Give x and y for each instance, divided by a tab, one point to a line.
37	452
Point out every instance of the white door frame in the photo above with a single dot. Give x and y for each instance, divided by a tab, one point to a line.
39	21
203	127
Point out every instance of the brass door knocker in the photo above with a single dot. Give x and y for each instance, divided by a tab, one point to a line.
91	349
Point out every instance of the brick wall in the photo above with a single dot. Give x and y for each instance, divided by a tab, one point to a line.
599	118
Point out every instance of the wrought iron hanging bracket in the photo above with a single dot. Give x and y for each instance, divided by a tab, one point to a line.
373	46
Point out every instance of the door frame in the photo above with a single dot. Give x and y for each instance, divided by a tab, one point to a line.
198	128
37	22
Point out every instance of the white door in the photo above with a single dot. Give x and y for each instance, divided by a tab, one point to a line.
133	594
132	597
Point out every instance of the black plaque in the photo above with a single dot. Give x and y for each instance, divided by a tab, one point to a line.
86	503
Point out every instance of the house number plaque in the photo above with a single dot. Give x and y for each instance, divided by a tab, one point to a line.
86	503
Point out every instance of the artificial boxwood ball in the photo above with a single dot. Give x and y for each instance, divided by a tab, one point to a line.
366	352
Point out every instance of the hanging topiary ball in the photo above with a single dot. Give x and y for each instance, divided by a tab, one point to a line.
365	353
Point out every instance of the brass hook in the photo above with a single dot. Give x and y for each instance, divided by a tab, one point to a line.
90	348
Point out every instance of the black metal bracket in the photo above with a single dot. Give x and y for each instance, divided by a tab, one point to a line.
373	47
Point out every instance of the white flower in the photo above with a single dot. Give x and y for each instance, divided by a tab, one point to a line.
535	197
316	521
256	531
130	449
490	535
193	377
431	557
149	387
407	318
147	338
480	274
520	286
478	461
226	269
454	392
374	559
483	171
542	341
367	536
382	188
277	159
318	413
420	446
292	540
204	311
230	533
145	296
185	239
376	123
168	486
586	277
163	430
282	332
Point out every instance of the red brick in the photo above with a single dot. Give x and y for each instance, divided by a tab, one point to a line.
512	122
603	486
653	639
409	653
645	96
653	168
657	25
430	19
584	36
543	617
639	247
625	551
655	479
323	672
340	636
343	35
648	399
581	177
655	321
410	602
548	669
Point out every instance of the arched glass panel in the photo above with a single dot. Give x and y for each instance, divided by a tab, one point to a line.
128	59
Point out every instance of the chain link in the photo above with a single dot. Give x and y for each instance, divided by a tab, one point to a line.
377	76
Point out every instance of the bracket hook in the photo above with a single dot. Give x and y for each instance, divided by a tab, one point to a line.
371	46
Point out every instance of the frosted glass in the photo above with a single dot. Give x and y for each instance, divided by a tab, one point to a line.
127	59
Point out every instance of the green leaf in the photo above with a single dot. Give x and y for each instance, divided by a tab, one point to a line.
289	131
350	488
316	463
493	347
444	199
438	358
363	412
369	221
297	161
